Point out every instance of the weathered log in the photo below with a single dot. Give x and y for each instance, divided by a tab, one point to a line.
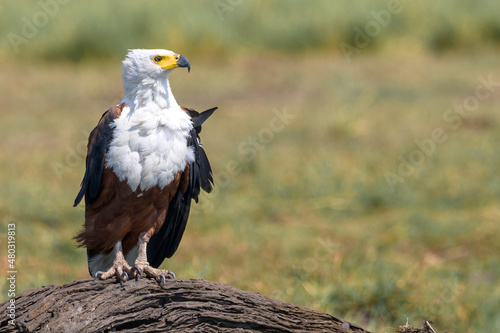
142	306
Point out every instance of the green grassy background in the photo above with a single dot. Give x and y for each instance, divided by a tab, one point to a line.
307	216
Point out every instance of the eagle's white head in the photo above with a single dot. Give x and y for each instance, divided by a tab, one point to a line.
145	76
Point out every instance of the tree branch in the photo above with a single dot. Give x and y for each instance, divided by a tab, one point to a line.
181	306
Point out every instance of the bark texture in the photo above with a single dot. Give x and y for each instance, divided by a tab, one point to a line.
142	306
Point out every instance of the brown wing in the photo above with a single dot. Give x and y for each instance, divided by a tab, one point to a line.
196	176
97	146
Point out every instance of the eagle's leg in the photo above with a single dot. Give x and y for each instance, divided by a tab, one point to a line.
141	264
120	269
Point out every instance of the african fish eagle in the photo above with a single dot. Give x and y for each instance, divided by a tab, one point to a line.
144	165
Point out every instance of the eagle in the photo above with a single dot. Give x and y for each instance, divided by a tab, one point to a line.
144	166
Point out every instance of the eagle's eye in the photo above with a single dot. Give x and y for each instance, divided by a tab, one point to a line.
157	58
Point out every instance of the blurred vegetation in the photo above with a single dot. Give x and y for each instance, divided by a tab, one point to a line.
307	215
78	30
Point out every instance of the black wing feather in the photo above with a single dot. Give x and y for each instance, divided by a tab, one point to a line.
96	155
164	243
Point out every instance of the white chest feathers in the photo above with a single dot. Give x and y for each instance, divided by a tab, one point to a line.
149	146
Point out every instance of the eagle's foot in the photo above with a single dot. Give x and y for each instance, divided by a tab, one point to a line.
160	275
120	269
141	265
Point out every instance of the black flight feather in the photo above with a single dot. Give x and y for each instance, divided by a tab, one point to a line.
164	243
91	182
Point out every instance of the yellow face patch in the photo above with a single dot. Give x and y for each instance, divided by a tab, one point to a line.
168	61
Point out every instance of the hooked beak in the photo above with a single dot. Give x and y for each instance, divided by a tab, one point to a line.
172	61
183	62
